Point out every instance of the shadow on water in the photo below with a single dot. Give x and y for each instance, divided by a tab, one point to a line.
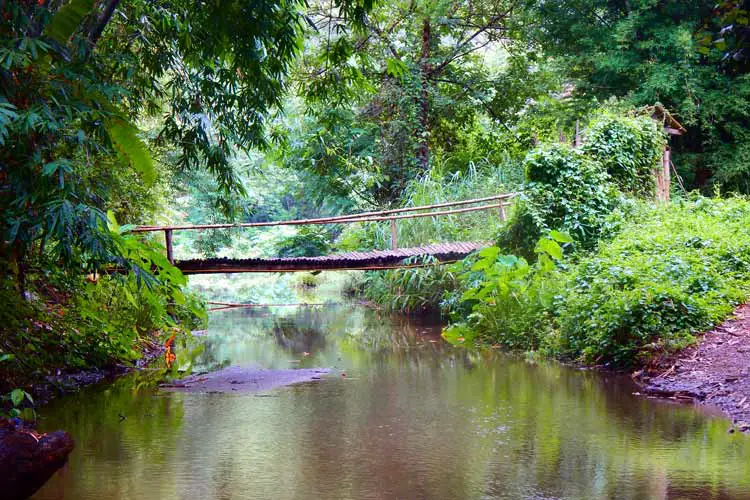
413	418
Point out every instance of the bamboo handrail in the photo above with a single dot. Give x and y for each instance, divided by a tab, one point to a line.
426	207
344	219
315	269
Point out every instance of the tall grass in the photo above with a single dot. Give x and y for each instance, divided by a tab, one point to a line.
437	186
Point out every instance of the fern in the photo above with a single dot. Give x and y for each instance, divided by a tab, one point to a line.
7	115
65	21
124	137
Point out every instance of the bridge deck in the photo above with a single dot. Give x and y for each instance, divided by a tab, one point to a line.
378	259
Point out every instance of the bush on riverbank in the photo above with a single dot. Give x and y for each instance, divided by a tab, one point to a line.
565	191
69	323
670	273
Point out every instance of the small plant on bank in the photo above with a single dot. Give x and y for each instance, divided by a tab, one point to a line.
414	290
506	296
12	404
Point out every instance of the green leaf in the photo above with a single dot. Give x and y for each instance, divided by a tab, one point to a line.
549	247
490	252
112	222
130	298
124	137
395	67
6	357
16	396
66	20
560	237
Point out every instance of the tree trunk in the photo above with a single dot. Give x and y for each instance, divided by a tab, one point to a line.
19	264
101	22
423	152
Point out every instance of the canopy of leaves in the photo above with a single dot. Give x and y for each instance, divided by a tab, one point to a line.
74	74
686	55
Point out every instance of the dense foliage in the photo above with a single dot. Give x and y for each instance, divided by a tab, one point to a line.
628	148
72	78
577	190
669	274
567	191
690	56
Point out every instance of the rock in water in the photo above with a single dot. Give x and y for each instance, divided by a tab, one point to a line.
28	459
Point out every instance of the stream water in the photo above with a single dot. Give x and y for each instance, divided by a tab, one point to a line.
401	415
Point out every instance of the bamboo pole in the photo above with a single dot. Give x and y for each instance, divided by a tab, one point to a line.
168	240
665	168
394	235
327	220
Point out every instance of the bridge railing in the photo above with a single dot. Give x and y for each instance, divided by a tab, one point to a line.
500	202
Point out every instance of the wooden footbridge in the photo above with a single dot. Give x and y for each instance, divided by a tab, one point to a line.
393	258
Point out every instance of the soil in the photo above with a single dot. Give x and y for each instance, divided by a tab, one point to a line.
715	372
240	379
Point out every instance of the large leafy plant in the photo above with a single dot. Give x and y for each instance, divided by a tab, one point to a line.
565	191
505	297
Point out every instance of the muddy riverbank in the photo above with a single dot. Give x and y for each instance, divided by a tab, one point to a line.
245	379
715	372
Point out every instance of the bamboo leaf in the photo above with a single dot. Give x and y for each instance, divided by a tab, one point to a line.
66	20
124	137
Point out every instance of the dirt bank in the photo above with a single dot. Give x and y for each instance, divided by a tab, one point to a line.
715	372
240	379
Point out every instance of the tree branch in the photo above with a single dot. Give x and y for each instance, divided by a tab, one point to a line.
101	22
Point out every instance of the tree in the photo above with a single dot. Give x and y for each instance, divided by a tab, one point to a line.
666	51
75	74
410	81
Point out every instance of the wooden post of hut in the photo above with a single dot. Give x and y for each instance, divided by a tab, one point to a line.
672	127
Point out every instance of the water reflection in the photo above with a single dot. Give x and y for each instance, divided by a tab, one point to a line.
414	418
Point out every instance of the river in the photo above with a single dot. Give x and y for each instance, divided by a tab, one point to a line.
400	415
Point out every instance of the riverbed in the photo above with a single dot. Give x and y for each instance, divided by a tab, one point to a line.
399	414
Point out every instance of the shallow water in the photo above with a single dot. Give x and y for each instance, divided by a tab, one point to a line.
402	415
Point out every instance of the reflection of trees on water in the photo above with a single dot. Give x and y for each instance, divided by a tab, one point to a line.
299	337
413	419
105	422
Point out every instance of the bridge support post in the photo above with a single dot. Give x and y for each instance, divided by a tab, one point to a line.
394	235
502	211
168	240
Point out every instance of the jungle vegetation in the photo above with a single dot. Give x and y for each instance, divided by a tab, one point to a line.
120	112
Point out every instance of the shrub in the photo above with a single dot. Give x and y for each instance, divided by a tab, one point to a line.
506	297
410	290
566	191
628	148
672	272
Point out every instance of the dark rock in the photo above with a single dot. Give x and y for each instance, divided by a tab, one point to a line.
28	459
